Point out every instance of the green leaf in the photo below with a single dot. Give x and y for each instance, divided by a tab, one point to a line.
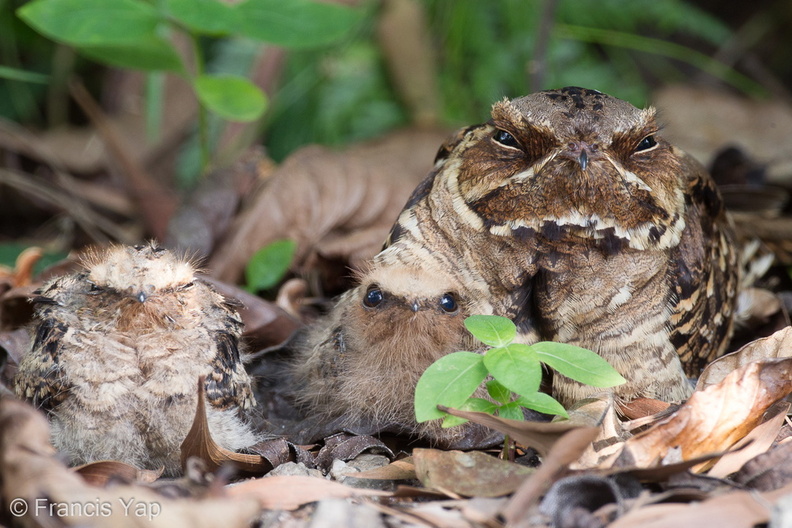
578	363
231	97
205	16
473	404
516	367
539	401
15	74
448	381
492	330
498	392
269	264
92	22
511	411
295	23
153	53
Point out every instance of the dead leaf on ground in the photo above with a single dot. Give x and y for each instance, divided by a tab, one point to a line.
403	469
778	345
323	198
291	492
472	474
104	471
541	436
199	443
346	446
753	444
713	419
738	508
768	471
564	452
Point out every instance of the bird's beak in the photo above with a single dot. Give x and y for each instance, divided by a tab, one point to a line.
414	306
140	297
583	160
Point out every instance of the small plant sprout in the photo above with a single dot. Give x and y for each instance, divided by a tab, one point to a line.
515	370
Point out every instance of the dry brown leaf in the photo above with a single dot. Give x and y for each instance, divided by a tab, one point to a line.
199	443
738	508
768	471
31	472
319	195
104	471
642	407
290	492
565	451
472	474
22	273
713	419
778	345
755	443
541	436
403	469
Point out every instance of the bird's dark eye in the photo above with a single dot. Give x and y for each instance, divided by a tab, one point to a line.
448	303
646	143
95	289
187	286
373	297
505	139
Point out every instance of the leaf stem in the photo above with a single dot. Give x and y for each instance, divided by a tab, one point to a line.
664	48
203	122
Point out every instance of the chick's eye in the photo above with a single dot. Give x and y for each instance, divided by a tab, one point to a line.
448	303
505	139
646	143
373	297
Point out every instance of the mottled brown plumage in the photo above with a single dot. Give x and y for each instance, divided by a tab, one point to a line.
568	213
361	363
117	351
617	241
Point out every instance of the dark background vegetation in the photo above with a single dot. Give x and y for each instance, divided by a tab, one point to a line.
443	66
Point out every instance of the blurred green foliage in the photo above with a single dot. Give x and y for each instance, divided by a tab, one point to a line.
485	51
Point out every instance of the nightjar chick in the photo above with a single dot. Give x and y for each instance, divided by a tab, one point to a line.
588	228
117	352
361	363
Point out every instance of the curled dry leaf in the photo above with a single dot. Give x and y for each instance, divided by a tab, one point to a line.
199	443
472	474
324	199
713	419
290	492
738	508
768	471
22	273
565	451
778	345
753	444
540	436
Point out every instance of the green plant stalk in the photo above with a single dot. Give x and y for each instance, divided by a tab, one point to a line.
661	47
203	120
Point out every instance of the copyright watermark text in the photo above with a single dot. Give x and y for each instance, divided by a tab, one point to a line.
97	508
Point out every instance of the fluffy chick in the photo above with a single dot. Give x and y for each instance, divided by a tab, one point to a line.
363	360
116	353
